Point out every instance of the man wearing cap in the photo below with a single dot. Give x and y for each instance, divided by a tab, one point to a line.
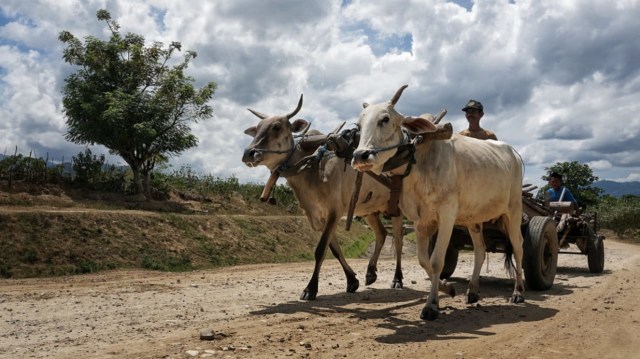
474	112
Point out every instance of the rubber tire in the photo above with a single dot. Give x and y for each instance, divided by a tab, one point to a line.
540	260
595	254
450	259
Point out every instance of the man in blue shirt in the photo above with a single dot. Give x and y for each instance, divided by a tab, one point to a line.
558	190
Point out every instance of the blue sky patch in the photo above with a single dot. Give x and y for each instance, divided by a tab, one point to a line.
379	43
467	4
158	16
4	19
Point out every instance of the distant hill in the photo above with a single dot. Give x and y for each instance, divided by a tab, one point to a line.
618	189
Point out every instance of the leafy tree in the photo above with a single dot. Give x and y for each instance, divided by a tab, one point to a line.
125	97
87	166
578	178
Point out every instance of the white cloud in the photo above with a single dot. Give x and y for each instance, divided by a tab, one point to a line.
559	80
631	177
600	165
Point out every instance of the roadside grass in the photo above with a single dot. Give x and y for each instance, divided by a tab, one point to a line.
621	215
45	243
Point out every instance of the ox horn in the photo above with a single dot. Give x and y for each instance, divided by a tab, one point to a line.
296	110
262	116
396	97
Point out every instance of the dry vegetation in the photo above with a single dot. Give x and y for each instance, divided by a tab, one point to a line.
49	230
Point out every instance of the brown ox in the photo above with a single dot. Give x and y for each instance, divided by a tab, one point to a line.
461	181
324	196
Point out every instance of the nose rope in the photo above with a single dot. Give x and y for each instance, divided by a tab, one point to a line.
404	141
292	148
284	165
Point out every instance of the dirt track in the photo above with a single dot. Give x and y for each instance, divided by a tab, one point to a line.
255	312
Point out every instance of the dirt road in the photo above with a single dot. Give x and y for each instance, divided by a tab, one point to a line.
254	312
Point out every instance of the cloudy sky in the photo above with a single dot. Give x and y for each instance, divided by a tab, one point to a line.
559	79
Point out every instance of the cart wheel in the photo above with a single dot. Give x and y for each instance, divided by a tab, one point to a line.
595	254
540	253
450	259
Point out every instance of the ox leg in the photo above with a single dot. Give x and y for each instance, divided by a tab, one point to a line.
352	281
311	291
515	237
479	251
373	220
398	235
423	235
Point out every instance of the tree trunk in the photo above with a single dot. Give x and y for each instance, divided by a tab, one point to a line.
137	177
141	178
146	183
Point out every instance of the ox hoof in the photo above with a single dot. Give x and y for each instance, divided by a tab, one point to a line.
371	277
430	313
397	284
472	298
308	295
352	286
450	290
517	299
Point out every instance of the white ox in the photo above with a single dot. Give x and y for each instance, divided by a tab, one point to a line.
323	198
462	181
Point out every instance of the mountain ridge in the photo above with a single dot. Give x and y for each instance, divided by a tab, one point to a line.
618	189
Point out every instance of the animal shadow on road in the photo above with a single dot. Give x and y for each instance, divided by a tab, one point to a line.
386	299
398	311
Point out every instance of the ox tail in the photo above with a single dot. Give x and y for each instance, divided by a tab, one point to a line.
508	259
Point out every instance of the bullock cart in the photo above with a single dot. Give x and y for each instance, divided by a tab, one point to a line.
548	229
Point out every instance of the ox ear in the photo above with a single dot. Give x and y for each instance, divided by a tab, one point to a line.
299	125
251	131
365	105
418	125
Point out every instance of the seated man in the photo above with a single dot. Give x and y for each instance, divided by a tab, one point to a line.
558	192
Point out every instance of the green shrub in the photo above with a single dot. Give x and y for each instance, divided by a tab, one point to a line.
622	215
186	180
167	262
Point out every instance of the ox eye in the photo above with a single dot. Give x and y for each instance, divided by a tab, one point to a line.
383	121
276	127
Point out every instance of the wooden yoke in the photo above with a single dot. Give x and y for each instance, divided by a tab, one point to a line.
354	200
394	196
444	132
268	187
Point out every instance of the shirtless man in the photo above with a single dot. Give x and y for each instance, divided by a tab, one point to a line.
474	112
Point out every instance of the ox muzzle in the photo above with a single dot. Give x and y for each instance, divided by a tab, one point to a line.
252	157
363	159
